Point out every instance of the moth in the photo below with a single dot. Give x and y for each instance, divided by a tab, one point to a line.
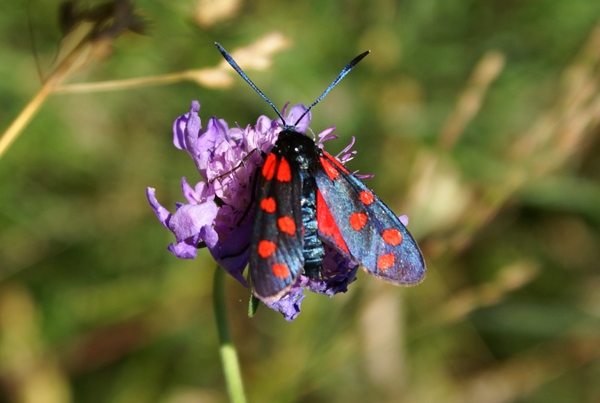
304	198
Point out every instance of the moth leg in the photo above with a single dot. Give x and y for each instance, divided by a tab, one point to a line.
219	202
241	164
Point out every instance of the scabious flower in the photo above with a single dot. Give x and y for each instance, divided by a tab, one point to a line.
227	158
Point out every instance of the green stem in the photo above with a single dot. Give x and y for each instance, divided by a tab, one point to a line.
17	126
231	365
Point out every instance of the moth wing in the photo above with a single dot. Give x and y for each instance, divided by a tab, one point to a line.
354	219
276	245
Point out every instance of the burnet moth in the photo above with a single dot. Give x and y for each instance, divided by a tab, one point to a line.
304	198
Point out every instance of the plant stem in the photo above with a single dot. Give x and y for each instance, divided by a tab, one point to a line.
70	63
24	117
231	366
114	85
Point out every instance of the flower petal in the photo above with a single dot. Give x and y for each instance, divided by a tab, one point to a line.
232	253
187	249
209	236
289	306
199	194
326	132
162	213
348	147
189	219
214	131
179	131
192	129
295	112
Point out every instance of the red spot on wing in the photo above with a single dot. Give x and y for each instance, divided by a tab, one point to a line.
329	169
280	270
283	172
266	248
358	221
268	169
392	236
366	197
385	261
287	225
268	205
326	223
336	162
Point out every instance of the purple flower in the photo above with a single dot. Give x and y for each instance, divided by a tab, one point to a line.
227	158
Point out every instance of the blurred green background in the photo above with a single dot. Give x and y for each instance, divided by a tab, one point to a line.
480	120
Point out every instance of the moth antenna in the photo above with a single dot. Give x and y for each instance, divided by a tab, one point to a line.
237	68
346	70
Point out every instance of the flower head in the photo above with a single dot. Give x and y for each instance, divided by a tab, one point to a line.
218	213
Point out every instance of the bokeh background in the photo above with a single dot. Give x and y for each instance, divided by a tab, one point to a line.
479	119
